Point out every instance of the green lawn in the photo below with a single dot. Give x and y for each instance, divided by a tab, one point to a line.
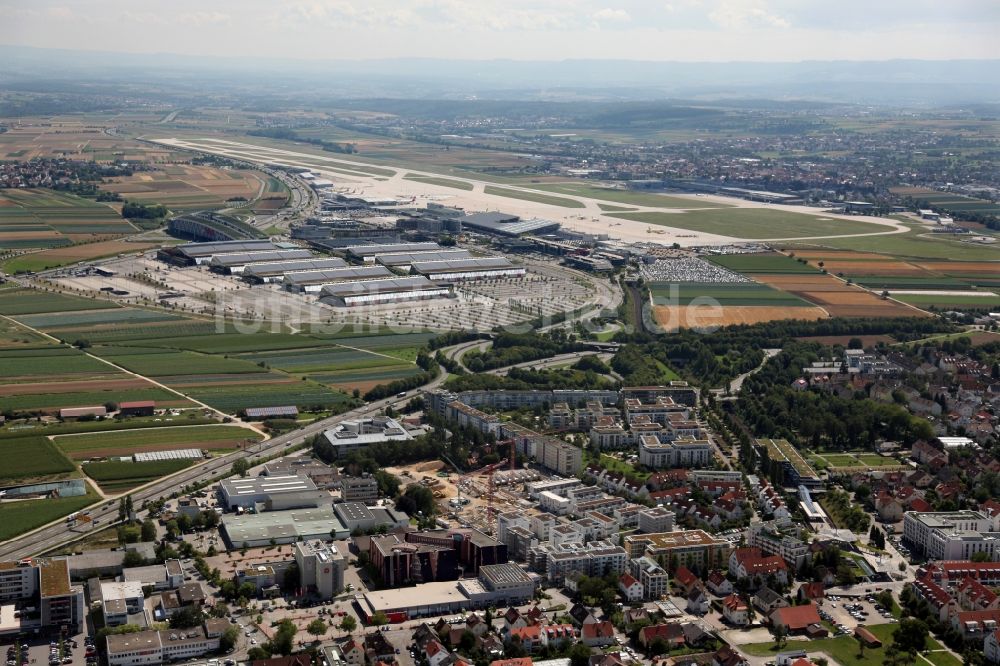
989	300
115	475
608	208
755	223
634	198
20	517
443	182
32	301
81	445
533	196
844	649
915	245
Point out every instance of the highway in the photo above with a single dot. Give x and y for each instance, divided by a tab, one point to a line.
57	533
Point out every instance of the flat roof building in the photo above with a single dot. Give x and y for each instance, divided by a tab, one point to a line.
467	269
405	259
202	253
368	253
250	491
275	271
374	292
236	263
258	529
357	434
313	281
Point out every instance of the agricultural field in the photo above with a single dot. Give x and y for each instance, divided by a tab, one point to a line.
14	335
31	301
183	187
125	442
20	517
714	304
115	476
773	263
948	300
274	197
39	218
836	297
77	138
735	293
755	223
443	182
304	394
32	457
947	201
71	254
537	197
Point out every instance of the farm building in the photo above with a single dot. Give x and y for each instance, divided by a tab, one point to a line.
77	412
289	412
373	292
314	281
504	224
368	253
236	263
275	271
173	454
196	254
467	269
403	260
137	408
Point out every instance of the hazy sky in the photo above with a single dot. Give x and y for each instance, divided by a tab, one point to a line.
700	30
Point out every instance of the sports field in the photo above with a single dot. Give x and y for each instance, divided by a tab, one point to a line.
754	223
105	444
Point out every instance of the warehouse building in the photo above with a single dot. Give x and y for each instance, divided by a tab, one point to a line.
235	264
257	529
374	292
468	269
404	260
312	282
197	254
275	271
248	492
368	253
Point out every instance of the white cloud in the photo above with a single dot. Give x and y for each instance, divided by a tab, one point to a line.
743	14
204	18
609	15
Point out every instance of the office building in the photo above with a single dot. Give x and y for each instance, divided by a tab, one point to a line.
321	568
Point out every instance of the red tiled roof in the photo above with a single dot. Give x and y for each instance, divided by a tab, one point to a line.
627	580
797	617
599	630
685	577
531	632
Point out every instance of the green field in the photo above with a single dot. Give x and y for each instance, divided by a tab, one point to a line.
32	301
844	649
990	300
537	197
444	182
30	457
914	244
634	198
20	517
39	362
737	293
116	475
383	375
55	401
149	439
302	394
49	215
773	264
900	282
755	223
162	363
115	315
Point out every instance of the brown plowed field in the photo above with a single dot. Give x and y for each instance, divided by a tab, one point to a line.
965	267
73	387
672	317
838	298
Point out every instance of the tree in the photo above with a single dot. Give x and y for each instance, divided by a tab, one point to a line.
284	638
129	508
229	637
467	641
241	466
981	556
258	652
184	522
133	559
317	627
579	655
378	619
186	618
911	635
122	511
780	632
148	530
657	646
348	624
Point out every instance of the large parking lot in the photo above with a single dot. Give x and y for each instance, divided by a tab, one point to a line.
846	613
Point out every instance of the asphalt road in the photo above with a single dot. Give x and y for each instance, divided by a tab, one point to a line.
57	533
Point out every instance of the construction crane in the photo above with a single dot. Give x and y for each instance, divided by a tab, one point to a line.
488	472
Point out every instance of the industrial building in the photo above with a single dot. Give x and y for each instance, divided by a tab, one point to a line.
358	516
196	254
312	282
258	529
275	271
368	253
468	269
404	260
374	292
235	264
210	226
249	492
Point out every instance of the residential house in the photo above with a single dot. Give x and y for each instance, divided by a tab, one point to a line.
697	601
767	601
598	634
718	583
802	619
671	634
630	588
735	611
685	580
